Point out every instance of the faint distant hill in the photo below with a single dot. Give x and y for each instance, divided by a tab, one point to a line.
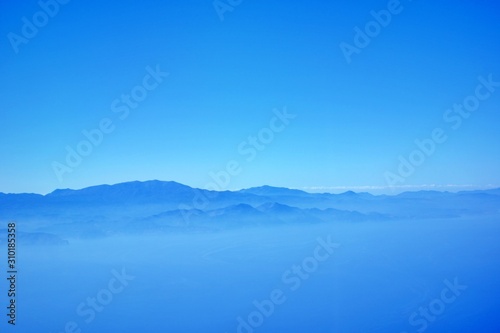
34	238
149	206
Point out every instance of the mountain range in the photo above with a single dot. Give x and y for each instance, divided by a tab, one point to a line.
160	206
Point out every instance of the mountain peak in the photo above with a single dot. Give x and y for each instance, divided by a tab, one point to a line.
137	191
267	190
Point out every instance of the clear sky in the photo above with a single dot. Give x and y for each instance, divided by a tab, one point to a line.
359	100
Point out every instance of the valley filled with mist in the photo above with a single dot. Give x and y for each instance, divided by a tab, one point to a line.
161	256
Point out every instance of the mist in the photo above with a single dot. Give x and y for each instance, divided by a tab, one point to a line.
336	277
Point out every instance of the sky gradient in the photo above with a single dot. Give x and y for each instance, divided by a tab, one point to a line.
234	73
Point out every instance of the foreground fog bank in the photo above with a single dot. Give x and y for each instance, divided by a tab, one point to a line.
398	276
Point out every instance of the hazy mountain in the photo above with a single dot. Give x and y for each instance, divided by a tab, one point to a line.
275	191
153	206
34	238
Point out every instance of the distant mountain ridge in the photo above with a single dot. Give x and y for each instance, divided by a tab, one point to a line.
154	187
154	206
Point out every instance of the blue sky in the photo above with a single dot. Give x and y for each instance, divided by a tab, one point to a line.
227	79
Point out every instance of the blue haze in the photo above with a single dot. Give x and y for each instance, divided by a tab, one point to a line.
145	255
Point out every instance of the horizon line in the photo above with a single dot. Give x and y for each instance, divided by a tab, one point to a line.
372	189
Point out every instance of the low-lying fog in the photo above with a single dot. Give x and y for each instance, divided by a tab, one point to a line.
400	276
